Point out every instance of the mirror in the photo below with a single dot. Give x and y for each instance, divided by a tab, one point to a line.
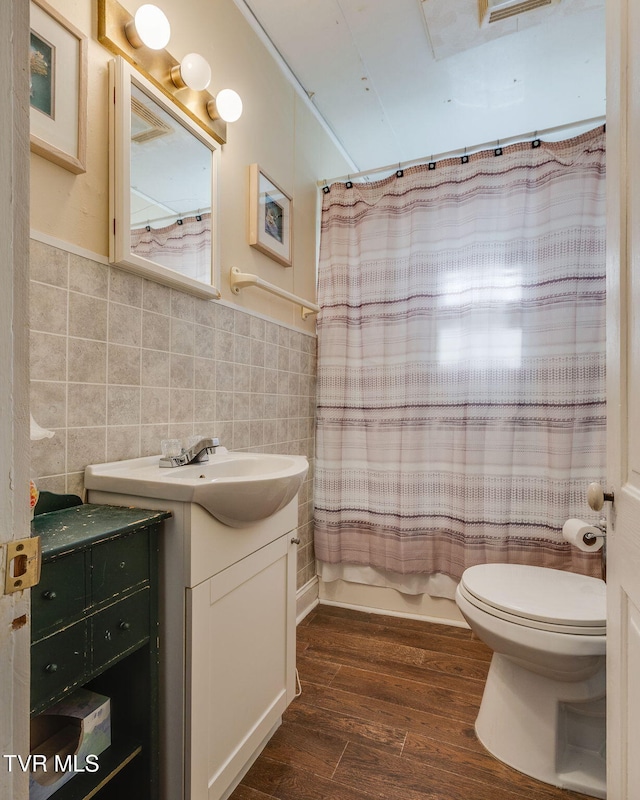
163	182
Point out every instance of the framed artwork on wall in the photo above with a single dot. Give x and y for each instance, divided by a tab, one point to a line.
270	217
58	88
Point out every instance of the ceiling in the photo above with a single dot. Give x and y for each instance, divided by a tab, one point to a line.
402	80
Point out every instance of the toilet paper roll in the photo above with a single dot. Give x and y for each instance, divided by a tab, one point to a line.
574	531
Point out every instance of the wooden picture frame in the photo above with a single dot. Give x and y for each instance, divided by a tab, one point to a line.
58	88
270	217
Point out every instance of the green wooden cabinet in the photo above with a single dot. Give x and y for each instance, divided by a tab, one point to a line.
95	625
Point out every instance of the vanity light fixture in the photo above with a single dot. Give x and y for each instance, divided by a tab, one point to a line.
226	105
184	82
193	71
149	27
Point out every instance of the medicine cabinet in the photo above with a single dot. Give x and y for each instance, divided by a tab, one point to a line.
163	187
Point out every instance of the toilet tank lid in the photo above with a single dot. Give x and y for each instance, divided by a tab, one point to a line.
539	593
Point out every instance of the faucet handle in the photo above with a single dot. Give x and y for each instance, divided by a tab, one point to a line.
195	454
212	446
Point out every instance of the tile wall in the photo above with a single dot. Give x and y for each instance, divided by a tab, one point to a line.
119	363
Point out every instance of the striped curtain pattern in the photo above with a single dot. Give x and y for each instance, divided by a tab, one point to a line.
184	247
461	361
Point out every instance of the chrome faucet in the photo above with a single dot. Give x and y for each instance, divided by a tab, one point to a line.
195	454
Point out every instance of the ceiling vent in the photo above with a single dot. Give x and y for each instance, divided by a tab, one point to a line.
496	10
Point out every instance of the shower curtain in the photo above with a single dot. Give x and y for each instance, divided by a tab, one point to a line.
185	242
461	365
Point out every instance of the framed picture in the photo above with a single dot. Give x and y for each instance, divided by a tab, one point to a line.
58	88
270	217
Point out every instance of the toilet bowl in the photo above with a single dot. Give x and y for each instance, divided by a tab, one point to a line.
543	707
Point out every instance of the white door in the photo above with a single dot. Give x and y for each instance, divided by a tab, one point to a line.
623	398
14	435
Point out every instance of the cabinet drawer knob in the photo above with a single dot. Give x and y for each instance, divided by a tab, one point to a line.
51	668
295	540
49	595
124	626
122	564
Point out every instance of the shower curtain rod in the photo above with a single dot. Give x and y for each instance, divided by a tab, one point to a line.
523	137
173	217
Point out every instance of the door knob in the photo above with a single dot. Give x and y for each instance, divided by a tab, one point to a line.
597	497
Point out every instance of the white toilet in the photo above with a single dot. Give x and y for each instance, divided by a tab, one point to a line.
543	707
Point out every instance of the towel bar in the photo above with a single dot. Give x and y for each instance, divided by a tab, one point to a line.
240	280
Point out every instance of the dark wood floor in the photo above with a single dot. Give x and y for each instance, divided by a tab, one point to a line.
386	711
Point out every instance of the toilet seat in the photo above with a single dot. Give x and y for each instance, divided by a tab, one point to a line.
538	597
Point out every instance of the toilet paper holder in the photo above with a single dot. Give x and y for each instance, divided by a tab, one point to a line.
590	538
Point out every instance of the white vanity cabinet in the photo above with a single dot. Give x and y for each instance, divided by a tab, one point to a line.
227	649
242	665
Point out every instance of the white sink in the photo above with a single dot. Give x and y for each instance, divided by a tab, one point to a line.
236	488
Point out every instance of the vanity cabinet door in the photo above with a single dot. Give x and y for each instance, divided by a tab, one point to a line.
241	662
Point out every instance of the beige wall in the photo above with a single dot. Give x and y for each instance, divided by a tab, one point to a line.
118	362
277	130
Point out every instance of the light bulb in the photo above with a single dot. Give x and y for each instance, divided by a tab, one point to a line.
149	27
194	72
228	105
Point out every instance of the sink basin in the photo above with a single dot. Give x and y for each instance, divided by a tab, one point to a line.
236	488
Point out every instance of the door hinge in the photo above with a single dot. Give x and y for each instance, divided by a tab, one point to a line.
24	561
